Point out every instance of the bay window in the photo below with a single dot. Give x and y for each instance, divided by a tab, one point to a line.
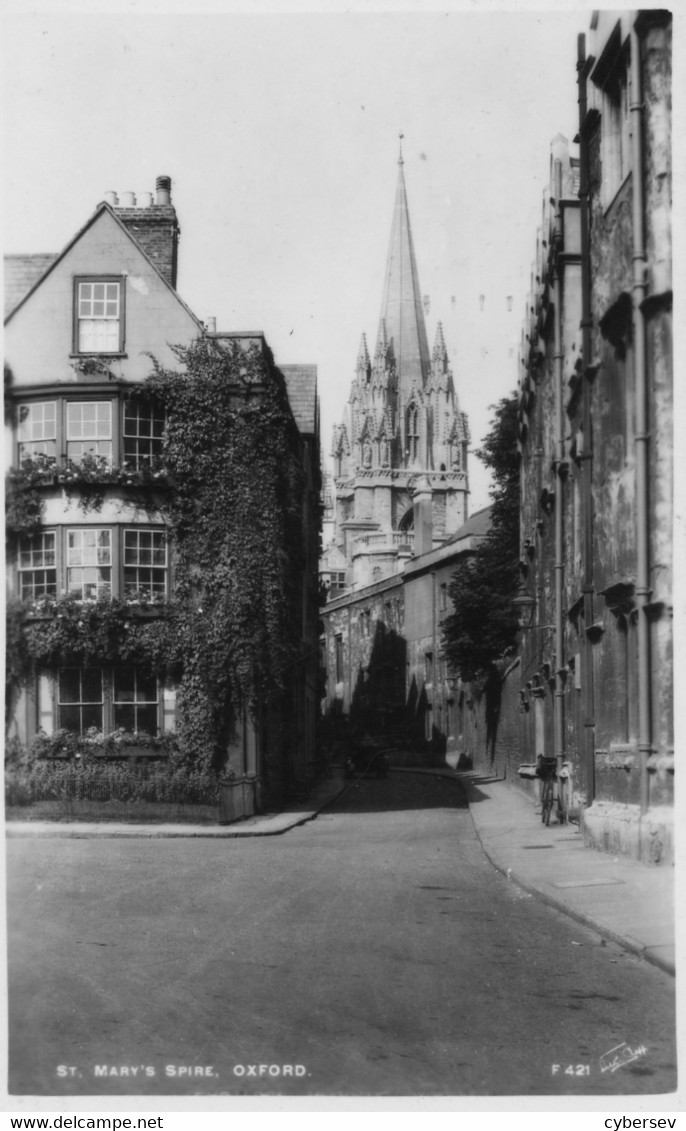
91	562
105	699
108	431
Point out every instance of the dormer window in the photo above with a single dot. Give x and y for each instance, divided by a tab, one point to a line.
99	316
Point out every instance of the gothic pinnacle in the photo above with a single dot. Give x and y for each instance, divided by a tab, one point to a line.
363	355
440	353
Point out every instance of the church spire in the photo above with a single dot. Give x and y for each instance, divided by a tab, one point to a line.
401	308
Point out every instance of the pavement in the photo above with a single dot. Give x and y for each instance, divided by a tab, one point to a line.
624	901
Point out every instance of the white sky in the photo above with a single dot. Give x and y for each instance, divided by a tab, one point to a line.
280	133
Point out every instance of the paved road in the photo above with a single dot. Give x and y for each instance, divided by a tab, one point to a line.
374	951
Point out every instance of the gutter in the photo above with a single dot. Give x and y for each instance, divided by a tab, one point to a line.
560	470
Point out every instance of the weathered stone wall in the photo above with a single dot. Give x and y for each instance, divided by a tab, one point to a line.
489	731
604	625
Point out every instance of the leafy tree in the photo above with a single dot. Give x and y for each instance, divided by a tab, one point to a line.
483	627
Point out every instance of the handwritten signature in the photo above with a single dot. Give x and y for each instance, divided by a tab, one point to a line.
620	1055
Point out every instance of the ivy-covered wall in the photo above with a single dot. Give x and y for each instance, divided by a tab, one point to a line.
239	502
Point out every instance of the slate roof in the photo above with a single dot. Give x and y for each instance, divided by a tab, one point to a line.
21	272
301	385
476	526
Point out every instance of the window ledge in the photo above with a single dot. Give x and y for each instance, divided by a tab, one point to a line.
97	356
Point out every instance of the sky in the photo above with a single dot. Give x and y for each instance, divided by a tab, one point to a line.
280	133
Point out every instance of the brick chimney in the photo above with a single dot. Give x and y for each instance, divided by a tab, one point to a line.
152	224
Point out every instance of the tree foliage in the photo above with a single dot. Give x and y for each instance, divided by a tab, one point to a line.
483	627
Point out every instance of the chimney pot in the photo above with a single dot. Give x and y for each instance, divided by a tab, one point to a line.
212	325
158	240
111	198
163	187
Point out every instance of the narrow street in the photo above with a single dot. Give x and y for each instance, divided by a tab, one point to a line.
373	951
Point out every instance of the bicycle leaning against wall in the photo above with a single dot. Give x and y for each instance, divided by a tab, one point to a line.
552	788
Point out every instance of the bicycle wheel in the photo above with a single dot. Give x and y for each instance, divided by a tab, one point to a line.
547	803
561	814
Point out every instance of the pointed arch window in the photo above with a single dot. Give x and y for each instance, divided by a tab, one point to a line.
412	432
407	521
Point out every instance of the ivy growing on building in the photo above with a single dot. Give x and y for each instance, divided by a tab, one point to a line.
482	629
107	632
23	496
231	451
234	514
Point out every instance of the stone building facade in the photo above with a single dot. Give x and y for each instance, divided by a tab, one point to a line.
597	446
382	652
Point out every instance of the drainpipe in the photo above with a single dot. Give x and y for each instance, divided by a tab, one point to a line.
434	665
586	456
560	466
640	287
349	673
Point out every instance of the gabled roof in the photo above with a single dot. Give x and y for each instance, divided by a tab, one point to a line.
21	272
52	262
401	308
301	385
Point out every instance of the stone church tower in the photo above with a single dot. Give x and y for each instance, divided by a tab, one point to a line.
400	453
